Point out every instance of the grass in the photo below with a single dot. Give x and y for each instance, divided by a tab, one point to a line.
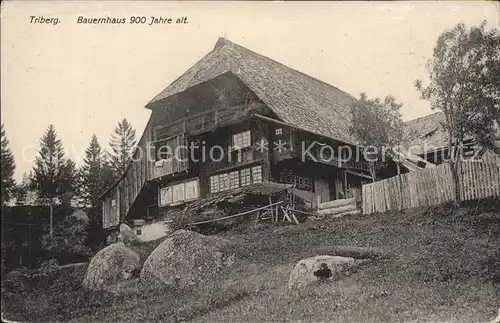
438	264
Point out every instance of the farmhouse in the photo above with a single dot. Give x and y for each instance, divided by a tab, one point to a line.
430	139
238	120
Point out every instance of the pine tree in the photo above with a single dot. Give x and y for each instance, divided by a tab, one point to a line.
95	176
122	144
7	169
22	191
90	172
54	175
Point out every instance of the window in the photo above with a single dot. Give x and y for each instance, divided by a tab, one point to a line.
138	232
242	140
214	184
191	190
170	148
278	131
257	174
301	183
234	177
186	191
308	184
163	153
166	196
165	149
247	156
245	177
114	211
178	193
224	182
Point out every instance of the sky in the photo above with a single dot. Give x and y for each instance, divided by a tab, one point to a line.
84	78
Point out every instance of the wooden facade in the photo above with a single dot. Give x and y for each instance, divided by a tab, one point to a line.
119	199
209	172
221	103
238	112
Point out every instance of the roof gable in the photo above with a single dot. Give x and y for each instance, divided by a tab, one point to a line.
295	97
427	131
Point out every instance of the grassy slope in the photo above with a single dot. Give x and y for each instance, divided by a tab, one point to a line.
436	268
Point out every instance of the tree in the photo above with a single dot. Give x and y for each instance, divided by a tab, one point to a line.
69	238
8	167
22	191
377	124
465	85
95	176
122	144
54	175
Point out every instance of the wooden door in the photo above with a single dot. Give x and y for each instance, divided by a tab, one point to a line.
322	189
339	191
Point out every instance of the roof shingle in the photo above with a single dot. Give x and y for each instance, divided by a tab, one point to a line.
295	97
427	132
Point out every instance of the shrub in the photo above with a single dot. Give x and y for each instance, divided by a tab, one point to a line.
68	241
440	211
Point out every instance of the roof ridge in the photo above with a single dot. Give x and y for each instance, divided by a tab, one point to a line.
426	116
218	45
226	41
296	97
220	42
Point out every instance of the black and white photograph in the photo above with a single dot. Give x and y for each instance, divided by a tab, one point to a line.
248	161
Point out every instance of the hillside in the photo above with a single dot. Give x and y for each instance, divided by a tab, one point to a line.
437	265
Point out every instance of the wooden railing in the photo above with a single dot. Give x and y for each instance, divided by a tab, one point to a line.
204	121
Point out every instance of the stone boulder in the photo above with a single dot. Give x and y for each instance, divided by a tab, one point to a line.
110	265
17	281
319	268
185	259
127	235
497	319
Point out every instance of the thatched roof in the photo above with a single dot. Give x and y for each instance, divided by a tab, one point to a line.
296	98
427	131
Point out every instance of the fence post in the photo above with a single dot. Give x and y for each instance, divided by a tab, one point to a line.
50	214
401	193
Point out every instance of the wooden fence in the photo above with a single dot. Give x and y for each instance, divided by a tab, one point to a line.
433	186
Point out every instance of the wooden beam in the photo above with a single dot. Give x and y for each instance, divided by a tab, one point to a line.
358	174
305	213
257	217
166	139
285	215
235	215
281	123
218	125
284	124
192	116
270	203
345	183
147	150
